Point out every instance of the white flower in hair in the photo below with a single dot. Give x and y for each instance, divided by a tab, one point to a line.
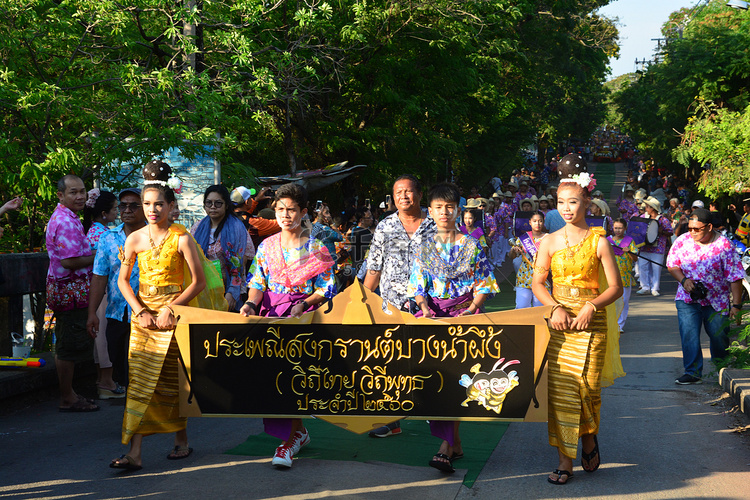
175	183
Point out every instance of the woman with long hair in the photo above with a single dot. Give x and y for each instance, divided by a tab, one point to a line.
225	241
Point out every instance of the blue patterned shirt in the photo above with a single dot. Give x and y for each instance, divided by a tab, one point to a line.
107	263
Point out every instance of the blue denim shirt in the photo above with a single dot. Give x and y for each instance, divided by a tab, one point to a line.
107	263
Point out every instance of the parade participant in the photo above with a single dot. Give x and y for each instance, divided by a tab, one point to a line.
523	193
321	229
291	274
225	241
395	246
650	270
490	229
100	210
67	286
708	270
600	208
626	253
743	230
524	297
544	205
627	205
104	280
469	227
163	251
578	328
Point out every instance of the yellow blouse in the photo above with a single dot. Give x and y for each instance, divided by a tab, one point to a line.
164	265
578	266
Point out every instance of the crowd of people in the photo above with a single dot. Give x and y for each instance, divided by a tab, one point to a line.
268	253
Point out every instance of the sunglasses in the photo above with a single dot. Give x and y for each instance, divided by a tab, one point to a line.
697	229
216	204
129	206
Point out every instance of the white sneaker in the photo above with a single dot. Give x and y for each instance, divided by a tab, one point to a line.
643	291
655	293
299	441
283	457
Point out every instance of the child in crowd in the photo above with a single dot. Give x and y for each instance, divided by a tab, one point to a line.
626	254
527	252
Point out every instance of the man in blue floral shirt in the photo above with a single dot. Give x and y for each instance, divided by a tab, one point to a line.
104	279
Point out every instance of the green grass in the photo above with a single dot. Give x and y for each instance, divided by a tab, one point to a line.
414	447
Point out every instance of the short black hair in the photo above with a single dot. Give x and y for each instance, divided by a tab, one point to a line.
621	221
294	192
414	180
445	191
62	183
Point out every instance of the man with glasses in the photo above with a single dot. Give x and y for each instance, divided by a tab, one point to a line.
104	279
708	269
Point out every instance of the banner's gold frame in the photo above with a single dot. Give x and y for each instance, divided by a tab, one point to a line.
357	305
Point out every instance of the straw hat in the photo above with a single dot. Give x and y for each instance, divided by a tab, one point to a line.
653	203
628	187
508	194
640	195
498	194
472	203
602	205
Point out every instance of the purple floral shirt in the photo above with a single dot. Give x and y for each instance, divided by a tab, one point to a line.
65	240
661	243
628	209
716	264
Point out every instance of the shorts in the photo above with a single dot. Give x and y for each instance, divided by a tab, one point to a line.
73	341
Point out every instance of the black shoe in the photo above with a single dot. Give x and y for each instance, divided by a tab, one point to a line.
688	379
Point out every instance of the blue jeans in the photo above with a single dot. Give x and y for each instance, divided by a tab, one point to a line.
690	318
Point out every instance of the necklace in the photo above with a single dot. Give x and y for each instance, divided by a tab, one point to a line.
156	251
569	251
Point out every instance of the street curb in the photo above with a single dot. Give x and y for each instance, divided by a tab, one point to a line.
737	384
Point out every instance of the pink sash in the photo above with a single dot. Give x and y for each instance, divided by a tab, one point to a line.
310	265
620	248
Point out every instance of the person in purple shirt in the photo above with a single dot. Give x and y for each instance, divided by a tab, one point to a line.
68	277
703	256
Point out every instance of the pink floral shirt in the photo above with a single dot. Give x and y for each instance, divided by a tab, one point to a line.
65	240
96	231
716	264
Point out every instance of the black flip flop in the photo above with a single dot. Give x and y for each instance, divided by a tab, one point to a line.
178	449
588	457
456	456
560	474
129	464
441	465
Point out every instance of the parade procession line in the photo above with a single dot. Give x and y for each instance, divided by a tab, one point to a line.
415	446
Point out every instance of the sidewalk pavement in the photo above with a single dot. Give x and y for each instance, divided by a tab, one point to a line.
658	440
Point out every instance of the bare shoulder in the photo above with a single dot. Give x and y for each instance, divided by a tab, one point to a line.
137	240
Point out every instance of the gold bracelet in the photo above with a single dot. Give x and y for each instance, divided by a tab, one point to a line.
554	307
540	269
138	314
168	308
592	305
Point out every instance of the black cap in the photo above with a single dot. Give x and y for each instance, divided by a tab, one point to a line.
701	215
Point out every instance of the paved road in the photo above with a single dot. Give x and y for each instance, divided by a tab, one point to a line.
658	441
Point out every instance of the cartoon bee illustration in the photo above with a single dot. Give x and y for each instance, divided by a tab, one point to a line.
490	389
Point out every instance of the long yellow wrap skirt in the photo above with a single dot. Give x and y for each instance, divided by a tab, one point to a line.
575	361
152	404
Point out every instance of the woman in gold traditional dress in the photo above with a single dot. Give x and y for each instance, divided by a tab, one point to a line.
163	250
578	333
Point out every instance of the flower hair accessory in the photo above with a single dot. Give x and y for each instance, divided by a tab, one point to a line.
583	179
93	195
174	183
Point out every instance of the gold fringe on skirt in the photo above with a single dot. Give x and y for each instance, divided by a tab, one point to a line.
575	368
152	404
